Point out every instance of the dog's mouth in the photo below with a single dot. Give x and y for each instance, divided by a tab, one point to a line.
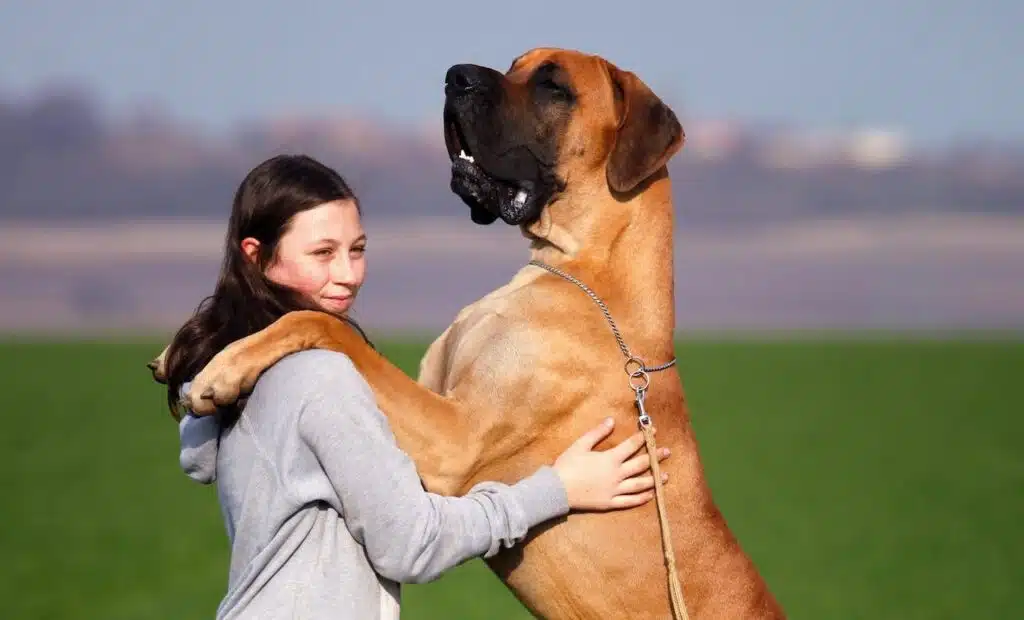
487	196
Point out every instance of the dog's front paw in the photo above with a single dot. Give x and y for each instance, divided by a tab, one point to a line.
159	367
221	383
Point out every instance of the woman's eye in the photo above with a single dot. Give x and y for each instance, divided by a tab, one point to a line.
323	252
358	250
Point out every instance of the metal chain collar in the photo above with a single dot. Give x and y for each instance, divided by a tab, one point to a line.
635	367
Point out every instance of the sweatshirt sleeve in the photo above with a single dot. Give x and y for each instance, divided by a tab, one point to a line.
199	438
410	535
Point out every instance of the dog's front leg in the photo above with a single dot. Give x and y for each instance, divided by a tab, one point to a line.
446	444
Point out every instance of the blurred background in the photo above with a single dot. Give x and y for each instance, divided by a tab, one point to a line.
849	270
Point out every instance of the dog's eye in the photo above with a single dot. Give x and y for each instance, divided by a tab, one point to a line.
549	85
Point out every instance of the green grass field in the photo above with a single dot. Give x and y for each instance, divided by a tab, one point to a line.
880	479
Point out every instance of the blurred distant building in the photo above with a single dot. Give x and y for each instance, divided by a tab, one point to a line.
806	149
713	140
876	148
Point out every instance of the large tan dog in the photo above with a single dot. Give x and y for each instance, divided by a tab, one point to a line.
573	150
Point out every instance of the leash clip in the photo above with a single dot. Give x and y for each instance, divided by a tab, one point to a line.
641	394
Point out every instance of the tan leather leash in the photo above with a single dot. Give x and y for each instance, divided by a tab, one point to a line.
639	380
675	590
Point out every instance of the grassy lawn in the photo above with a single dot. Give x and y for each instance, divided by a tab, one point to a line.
880	479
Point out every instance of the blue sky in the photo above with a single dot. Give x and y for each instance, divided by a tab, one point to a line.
937	70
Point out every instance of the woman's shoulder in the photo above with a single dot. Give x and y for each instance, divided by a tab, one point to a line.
307	372
323	386
299	380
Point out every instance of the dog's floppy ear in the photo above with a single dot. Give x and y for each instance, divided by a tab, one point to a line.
649	133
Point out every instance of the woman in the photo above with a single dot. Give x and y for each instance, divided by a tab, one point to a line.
326	515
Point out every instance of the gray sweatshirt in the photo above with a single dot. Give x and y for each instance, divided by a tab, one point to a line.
326	516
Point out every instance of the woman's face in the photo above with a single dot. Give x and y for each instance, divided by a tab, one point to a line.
321	255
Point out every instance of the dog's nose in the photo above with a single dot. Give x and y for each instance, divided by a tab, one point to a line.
462	79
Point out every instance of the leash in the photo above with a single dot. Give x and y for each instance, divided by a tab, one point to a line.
639	380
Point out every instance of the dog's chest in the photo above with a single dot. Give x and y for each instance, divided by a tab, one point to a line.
482	333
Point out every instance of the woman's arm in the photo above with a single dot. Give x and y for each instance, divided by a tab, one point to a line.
410	535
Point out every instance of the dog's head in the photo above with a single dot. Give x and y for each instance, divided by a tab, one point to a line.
554	121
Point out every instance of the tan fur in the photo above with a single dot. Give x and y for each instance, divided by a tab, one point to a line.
525	370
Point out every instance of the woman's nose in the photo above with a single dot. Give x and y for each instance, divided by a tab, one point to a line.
342	272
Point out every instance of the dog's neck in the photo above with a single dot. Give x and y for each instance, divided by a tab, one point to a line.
623	250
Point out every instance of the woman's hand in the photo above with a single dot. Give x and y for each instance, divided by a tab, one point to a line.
609	479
